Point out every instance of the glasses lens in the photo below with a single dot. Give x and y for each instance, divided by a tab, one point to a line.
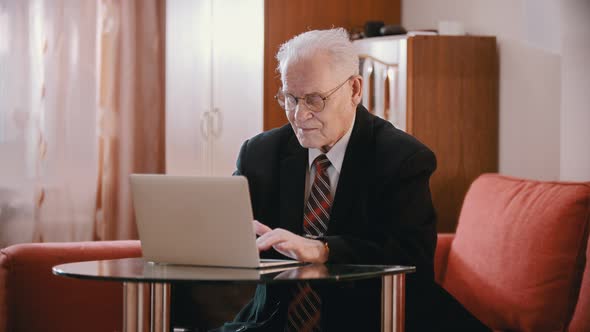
280	97
290	102
314	102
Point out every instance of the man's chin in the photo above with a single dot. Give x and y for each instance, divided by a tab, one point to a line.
309	144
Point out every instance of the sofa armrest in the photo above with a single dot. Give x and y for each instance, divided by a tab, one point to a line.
33	299
441	255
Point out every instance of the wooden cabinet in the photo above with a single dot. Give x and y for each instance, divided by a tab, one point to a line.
214	81
444	91
452	103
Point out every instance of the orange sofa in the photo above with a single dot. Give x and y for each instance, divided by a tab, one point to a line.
33	299
520	259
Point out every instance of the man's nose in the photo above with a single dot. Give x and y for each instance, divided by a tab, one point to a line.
302	112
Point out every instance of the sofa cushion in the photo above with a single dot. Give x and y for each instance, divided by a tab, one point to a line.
517	258
441	255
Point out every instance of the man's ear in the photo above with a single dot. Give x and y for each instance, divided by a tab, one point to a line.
357	90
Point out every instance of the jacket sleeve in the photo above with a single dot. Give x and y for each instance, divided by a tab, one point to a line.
402	221
241	161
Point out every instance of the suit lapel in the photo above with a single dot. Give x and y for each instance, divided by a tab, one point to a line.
292	183
354	172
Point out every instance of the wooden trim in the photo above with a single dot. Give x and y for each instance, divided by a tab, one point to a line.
374	59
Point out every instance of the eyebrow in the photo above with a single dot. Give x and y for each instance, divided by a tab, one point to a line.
316	92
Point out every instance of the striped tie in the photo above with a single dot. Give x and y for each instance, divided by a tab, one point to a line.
304	309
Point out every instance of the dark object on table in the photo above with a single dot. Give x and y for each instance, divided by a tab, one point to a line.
372	28
392	29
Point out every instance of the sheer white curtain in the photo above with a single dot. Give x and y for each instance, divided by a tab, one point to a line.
81	106
47	120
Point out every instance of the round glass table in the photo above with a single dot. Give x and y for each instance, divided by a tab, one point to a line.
146	285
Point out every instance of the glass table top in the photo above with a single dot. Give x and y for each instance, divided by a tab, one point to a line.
139	270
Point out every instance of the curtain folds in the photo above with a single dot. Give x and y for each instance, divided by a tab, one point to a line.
81	107
130	108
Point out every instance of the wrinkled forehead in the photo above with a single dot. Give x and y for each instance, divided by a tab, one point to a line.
310	74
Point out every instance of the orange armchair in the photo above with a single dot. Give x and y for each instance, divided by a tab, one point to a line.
33	299
520	258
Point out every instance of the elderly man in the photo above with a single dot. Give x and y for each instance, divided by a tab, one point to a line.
335	185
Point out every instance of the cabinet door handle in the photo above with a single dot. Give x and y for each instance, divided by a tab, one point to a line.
216	122
368	75
205	125
392	74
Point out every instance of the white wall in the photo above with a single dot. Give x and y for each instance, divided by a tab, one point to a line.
575	90
543	128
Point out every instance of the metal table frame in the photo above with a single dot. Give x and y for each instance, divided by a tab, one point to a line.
146	305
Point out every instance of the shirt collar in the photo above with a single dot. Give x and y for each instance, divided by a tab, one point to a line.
336	153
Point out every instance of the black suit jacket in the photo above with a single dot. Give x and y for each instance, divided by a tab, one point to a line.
382	213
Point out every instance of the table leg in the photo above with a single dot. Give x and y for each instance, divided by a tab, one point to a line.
129	306
146	307
393	302
160	307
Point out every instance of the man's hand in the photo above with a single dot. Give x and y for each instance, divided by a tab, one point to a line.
289	244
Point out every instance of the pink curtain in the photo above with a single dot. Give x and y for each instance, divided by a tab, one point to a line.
130	108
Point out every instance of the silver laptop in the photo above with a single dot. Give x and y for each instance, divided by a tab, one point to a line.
195	220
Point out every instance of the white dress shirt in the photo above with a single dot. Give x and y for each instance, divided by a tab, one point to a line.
336	157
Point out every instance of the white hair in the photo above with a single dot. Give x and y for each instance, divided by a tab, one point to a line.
334	42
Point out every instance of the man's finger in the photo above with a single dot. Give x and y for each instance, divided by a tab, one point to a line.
262	238
269	239
283	248
284	245
260	228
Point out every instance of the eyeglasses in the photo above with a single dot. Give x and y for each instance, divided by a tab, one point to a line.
315	102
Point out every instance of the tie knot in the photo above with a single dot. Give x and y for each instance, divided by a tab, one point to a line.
321	163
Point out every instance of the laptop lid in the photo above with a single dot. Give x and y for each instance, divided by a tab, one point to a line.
195	220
